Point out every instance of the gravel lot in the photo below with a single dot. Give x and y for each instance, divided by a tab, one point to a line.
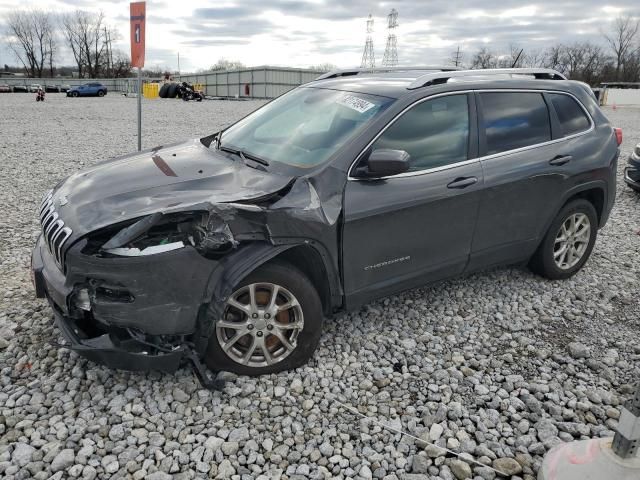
499	366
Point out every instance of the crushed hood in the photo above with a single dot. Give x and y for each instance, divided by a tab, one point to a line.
170	178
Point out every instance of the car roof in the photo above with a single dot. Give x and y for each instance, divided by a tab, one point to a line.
398	83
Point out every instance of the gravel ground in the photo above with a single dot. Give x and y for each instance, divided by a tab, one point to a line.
498	366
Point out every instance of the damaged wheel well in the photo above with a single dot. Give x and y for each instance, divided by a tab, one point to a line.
308	261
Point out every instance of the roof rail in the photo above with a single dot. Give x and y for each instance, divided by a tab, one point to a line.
438	78
347	72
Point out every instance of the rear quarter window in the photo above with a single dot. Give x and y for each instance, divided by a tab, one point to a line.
571	116
514	120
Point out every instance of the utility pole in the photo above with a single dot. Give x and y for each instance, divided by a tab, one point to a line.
178	65
456	58
106	44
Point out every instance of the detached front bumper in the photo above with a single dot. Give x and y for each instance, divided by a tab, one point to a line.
127	313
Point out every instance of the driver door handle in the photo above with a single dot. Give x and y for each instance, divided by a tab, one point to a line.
560	160
462	182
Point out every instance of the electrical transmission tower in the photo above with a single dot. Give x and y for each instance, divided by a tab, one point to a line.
390	58
368	57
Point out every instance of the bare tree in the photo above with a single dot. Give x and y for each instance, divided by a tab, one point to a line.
622	40
484	58
323	67
89	39
93	43
52	49
534	58
31	37
224	64
121	65
554	58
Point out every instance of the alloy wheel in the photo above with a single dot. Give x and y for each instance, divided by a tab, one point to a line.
260	325
571	241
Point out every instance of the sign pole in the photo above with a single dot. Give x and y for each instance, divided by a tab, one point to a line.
139	108
138	13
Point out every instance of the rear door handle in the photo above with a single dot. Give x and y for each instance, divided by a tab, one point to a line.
463	182
560	160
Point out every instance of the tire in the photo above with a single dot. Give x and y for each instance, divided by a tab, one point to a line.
544	261
293	285
171	92
101	93
75	94
163	90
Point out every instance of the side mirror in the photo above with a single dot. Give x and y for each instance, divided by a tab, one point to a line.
385	162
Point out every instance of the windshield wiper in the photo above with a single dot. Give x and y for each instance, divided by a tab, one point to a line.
244	155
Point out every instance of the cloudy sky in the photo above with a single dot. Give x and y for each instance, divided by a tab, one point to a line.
310	32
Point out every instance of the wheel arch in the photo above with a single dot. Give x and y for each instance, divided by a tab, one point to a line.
594	192
233	268
310	262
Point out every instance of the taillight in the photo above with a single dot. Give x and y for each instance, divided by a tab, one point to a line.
618	132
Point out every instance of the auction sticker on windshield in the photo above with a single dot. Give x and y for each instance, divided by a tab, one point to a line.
355	103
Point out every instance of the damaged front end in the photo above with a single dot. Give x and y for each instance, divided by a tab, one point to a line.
129	296
138	281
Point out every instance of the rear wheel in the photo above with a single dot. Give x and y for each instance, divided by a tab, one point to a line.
172	90
101	93
271	322
568	243
75	94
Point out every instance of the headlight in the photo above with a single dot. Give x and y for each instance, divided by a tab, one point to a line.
636	153
160	233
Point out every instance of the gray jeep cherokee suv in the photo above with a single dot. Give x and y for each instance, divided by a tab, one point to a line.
233	248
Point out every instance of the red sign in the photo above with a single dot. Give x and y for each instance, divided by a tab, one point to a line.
138	18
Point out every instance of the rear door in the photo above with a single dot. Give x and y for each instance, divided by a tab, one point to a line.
526	171
404	230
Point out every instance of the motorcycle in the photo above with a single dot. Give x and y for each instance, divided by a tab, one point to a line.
40	95
187	92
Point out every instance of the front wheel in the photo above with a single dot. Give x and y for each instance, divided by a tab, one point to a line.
101	93
75	94
568	243
270	323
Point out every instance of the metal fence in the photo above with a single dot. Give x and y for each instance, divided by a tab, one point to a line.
113	84
255	82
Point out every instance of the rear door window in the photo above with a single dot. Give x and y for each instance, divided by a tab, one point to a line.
571	116
514	120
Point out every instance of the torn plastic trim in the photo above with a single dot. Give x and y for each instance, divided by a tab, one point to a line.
205	230
136	252
132	232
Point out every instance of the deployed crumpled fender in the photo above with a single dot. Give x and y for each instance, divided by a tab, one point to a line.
263	229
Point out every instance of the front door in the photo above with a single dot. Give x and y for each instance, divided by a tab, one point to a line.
408	229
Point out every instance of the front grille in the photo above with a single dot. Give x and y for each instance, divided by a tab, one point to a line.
53	229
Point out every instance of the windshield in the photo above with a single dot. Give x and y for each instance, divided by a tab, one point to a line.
304	127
